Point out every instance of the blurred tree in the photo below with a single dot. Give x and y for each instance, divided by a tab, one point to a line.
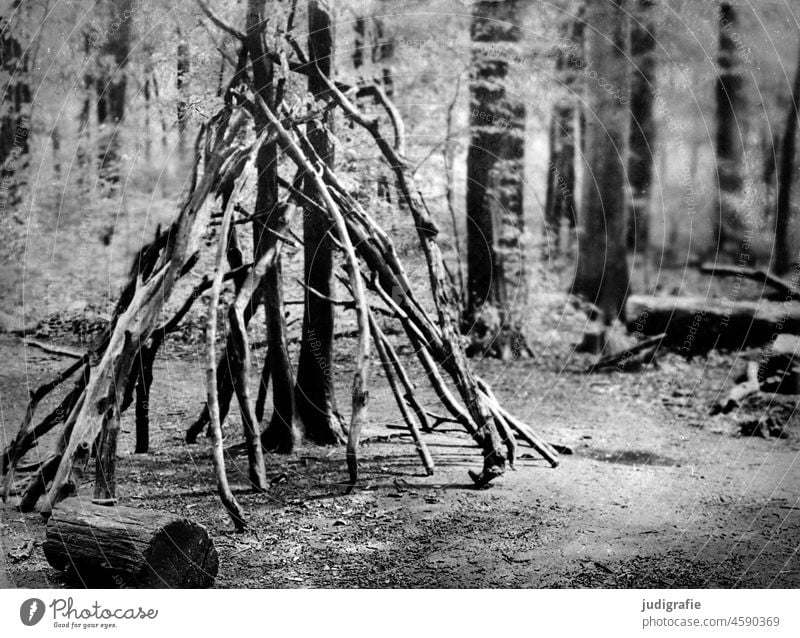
110	78
181	84
643	128
602	275
560	200
730	137
372	44
495	263
784	258
15	108
314	392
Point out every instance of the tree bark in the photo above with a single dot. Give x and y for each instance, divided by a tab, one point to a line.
15	117
643	127
127	547
280	435
602	270
783	210
495	266
728	219
314	391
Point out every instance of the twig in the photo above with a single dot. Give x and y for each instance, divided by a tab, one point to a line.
64	352
219	22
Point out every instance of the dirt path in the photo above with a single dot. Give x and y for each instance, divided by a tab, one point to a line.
656	493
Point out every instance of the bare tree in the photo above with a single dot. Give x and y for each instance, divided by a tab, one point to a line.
643	128
110	85
730	141
314	393
182	84
280	434
560	199
783	209
15	113
602	275
373	44
495	265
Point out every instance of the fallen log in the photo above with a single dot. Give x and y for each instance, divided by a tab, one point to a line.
632	358
697	324
128	547
781	286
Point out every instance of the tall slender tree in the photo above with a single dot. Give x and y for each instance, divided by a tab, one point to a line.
783	209
314	392
280	435
602	274
110	85
495	263
643	128
181	85
15	108
560	199
373	44
730	139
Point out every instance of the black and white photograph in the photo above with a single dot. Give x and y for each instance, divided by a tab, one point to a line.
400	295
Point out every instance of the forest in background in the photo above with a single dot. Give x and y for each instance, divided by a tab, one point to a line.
64	207
564	192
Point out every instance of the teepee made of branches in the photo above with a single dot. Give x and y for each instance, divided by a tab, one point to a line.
116	372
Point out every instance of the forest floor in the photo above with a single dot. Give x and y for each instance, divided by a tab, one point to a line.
656	492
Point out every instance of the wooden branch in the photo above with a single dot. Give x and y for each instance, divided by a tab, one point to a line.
218	454
625	357
360	395
27	434
138	312
105	484
64	352
144	382
542	447
381	343
219	22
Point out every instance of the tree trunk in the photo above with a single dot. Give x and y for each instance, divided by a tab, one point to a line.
181	84
14	120
280	434
128	547
371	42
602	270
783	211
314	392
643	128
495	267
728	219
560	201
110	85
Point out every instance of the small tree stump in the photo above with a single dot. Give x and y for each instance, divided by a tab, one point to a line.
127	547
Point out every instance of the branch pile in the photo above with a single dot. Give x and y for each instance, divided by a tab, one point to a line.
119	365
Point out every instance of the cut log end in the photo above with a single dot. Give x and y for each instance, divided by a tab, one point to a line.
128	547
